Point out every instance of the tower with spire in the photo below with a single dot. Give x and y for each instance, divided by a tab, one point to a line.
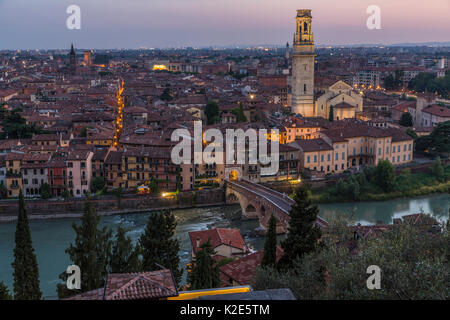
303	66
287	51
73	60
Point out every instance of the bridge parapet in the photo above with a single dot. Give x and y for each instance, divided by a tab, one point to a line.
261	202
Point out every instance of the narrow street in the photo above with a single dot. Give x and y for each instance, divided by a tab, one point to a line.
119	118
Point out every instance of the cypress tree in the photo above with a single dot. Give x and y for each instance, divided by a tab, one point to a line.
91	252
205	273
158	245
270	245
303	234
125	256
26	273
4	292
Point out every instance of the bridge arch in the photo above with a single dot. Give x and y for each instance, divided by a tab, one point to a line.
258	201
250	208
232	198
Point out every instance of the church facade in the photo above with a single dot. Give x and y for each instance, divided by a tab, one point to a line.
340	101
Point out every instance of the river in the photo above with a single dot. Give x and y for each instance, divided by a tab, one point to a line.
52	237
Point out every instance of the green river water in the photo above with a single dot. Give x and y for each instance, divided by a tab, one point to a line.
52	237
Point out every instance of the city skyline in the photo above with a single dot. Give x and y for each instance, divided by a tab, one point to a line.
200	23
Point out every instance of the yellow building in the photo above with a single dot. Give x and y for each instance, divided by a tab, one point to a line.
356	145
13	174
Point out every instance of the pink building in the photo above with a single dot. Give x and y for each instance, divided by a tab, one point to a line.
79	172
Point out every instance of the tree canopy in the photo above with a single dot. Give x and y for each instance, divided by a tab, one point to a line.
205	273
212	112
427	82
438	142
159	246
270	245
406	119
15	127
26	272
303	234
90	251
414	261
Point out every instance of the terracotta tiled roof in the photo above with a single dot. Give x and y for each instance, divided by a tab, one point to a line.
439	111
114	157
242	270
311	145
134	286
343	105
218	236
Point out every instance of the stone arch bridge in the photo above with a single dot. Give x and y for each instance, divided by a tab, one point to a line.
260	202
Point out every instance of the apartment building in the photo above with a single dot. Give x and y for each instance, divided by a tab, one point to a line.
356	145
435	114
79	172
141	165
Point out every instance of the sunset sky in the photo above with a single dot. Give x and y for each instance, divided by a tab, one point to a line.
31	24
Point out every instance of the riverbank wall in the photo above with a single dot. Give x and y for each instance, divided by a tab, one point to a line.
109	205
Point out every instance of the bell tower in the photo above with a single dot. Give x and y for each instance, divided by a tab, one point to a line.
73	60
303	66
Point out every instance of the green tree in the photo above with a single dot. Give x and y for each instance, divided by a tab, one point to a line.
15	127
389	82
26	272
406	120
91	251
439	140
402	252
205	273
4	292
153	186
385	175
83	132
119	195
66	194
166	95
398	82
212	112
239	113
98	183
303	234
46	191
331	114
410	132
427	82
438	170
2	190
125	256
159	246
270	245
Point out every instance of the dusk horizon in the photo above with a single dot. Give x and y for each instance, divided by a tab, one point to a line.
202	24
